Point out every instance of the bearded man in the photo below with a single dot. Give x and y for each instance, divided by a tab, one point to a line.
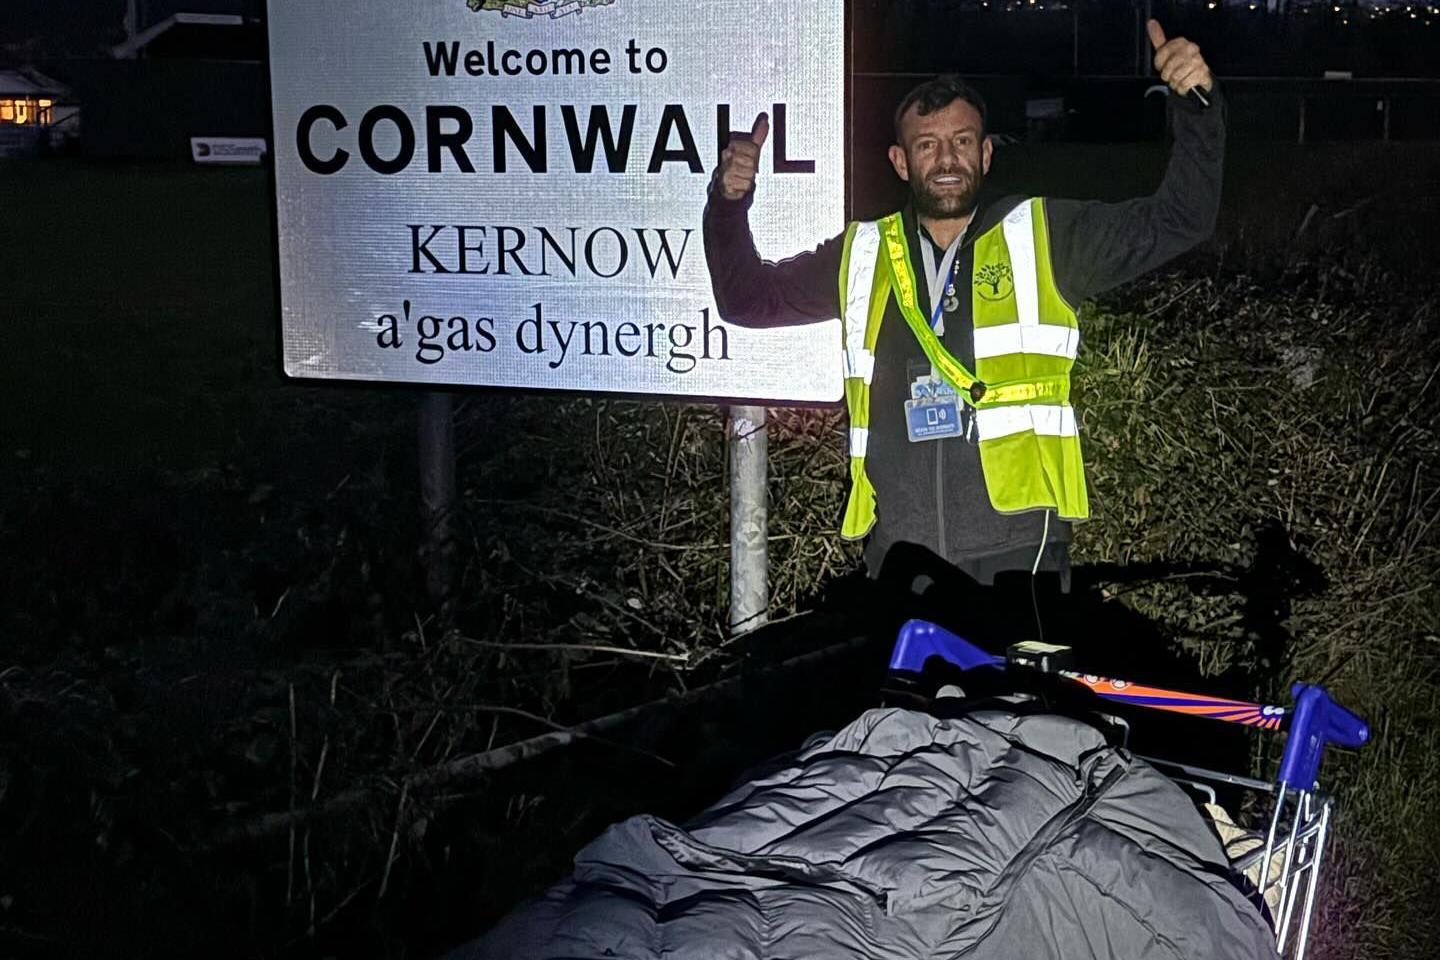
960	327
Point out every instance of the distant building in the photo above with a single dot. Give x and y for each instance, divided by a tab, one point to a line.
191	29
35	111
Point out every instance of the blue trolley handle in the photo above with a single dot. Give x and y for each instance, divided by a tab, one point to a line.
919	640
1316	722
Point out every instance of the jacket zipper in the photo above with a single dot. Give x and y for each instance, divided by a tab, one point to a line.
944	549
940	499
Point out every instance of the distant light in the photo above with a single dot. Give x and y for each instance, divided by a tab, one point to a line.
1210	5
1336	9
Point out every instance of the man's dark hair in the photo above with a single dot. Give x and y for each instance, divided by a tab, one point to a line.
938	94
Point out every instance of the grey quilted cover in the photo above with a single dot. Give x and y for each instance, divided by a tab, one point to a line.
903	836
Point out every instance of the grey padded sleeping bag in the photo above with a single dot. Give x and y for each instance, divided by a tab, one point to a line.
992	835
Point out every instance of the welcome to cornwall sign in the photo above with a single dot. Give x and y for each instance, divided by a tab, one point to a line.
506	193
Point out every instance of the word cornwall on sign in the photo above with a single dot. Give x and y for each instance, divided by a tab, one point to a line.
507	193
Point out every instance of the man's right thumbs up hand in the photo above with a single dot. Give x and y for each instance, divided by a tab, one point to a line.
740	159
1179	63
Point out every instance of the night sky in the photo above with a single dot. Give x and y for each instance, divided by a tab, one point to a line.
84	27
1371	43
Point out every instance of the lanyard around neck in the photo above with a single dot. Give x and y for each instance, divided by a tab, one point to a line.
938	279
901	275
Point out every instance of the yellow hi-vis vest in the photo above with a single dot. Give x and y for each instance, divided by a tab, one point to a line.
1025	343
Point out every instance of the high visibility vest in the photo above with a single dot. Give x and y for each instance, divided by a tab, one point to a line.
1026	338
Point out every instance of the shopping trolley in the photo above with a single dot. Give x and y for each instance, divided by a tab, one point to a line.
1284	869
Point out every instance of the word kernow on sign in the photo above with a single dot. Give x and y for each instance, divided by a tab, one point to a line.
502	250
469	197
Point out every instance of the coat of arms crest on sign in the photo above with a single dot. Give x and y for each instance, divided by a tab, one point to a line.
530	9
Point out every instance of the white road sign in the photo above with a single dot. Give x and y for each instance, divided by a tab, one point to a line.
510	193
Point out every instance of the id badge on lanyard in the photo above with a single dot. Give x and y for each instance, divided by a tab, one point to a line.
934	411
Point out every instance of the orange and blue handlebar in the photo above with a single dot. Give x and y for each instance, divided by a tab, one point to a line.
1260	715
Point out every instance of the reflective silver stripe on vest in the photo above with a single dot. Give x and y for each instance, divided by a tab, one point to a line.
1047	420
1020	238
864	249
1050	339
859	362
859	441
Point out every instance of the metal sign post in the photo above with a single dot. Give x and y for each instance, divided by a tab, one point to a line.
436	450
749	522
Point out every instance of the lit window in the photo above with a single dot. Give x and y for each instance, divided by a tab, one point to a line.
7	111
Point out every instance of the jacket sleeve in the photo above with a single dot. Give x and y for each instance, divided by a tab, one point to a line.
751	292
1099	245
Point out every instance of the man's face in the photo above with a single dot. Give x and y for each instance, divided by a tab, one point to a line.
944	156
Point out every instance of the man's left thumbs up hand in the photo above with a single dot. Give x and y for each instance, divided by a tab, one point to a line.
1178	61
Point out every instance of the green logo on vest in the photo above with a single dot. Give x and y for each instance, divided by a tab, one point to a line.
994	281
